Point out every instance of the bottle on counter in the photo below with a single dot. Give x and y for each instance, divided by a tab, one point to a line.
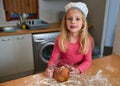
25	26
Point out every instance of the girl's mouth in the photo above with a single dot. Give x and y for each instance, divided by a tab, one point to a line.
73	27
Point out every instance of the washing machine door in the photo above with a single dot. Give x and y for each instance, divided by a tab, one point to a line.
46	51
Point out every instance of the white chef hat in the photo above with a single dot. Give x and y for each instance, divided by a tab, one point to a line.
80	5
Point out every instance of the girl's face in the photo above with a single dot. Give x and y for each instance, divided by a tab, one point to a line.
74	20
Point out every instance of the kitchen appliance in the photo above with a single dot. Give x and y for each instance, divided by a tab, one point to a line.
43	45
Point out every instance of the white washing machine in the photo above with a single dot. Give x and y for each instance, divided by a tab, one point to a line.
43	45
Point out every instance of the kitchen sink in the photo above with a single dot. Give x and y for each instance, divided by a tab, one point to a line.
9	29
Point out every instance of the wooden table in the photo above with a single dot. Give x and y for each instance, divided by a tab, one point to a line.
108	65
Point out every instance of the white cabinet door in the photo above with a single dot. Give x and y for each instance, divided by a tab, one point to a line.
7	57
23	53
16	54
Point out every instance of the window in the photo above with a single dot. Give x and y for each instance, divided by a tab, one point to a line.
15	8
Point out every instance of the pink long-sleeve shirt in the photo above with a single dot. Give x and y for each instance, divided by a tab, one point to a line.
72	56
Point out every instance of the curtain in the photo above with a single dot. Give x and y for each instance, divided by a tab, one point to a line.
20	6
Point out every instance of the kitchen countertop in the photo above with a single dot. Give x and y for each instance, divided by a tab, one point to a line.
51	28
104	69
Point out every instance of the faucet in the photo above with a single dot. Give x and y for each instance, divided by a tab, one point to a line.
23	21
20	20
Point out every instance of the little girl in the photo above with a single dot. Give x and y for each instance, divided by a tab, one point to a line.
73	46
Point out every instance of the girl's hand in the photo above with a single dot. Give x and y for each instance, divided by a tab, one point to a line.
77	71
74	71
49	71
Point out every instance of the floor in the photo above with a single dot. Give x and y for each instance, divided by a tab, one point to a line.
107	51
16	76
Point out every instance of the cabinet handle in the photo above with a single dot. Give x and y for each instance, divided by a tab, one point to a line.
5	39
20	38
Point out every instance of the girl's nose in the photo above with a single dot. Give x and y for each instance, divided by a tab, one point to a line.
73	21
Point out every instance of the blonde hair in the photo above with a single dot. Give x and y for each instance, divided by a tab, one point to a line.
83	35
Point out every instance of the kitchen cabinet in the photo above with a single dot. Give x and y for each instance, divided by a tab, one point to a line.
16	54
7	65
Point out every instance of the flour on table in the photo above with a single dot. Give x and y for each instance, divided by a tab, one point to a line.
99	80
111	68
77	80
35	81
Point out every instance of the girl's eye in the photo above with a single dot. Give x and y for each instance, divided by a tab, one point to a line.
69	19
77	19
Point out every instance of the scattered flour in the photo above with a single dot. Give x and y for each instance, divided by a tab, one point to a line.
77	80
99	80
111	68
